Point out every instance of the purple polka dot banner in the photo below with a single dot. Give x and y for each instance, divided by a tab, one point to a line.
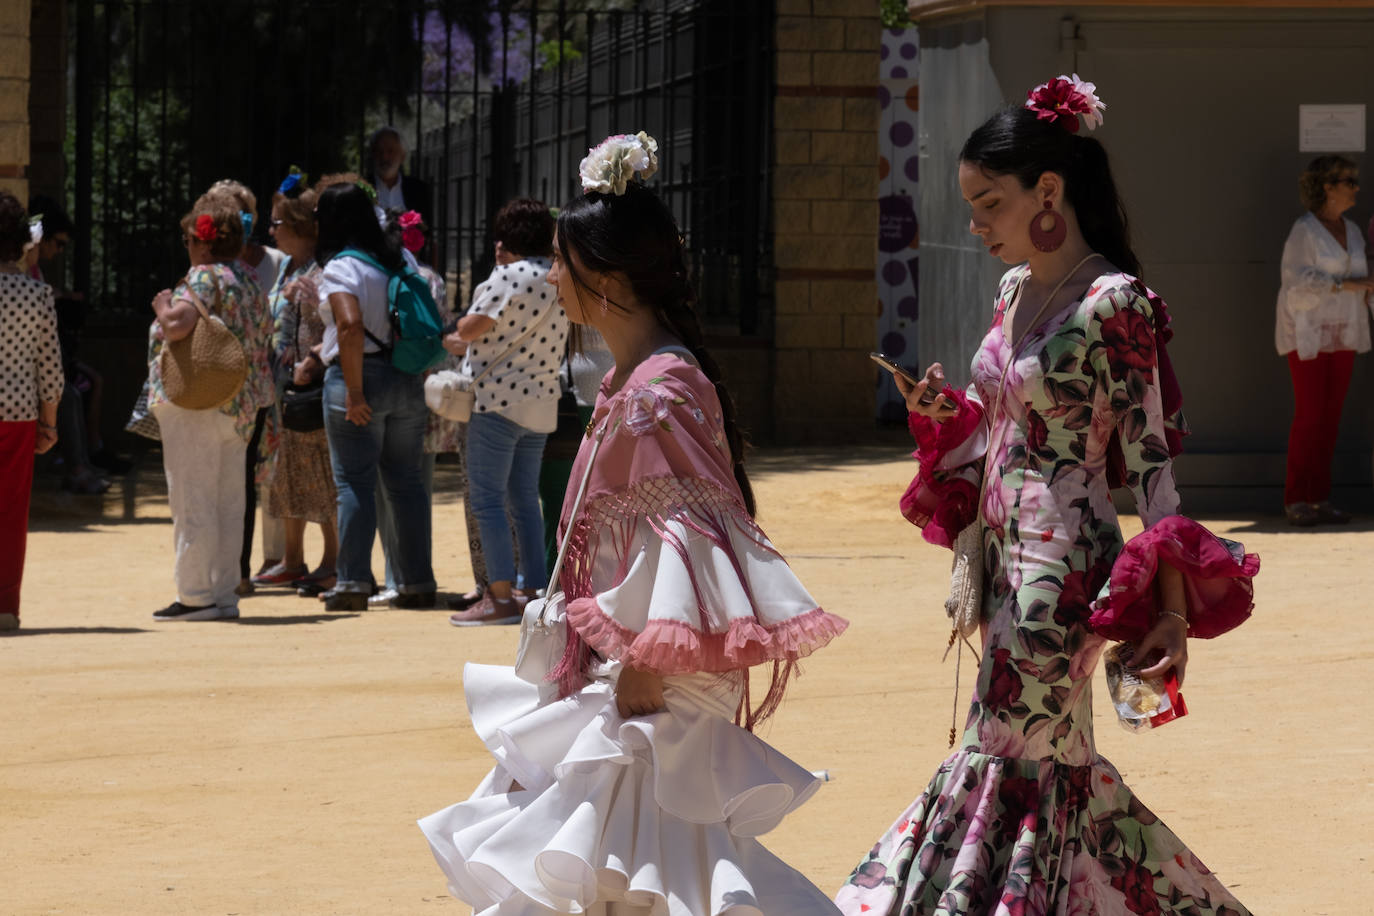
899	233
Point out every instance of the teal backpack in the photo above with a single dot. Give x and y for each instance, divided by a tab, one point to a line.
417	330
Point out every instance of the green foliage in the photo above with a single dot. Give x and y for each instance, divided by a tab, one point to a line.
894	14
555	53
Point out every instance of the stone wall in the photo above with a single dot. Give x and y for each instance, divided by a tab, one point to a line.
14	97
825	219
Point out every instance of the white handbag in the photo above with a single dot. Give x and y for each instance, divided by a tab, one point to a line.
543	626
451	393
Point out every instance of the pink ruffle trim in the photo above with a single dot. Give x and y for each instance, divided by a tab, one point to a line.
1217	577
670	647
941	506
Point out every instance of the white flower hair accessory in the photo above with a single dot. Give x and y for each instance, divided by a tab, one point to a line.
1063	99
35	229
617	160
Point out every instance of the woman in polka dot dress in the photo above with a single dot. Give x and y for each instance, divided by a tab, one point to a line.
513	336
30	387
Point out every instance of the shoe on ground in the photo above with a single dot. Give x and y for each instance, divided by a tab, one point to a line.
382	598
345	601
464	601
490	611
1328	514
87	483
411	601
280	575
244	588
178	611
9	621
1301	515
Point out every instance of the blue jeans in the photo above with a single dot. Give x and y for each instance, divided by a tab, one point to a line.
392	443
386	519
503	466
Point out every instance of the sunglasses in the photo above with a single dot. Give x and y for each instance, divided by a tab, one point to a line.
1348	182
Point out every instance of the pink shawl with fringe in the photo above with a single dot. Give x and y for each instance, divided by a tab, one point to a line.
665	472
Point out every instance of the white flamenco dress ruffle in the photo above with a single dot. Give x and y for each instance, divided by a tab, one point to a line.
589	812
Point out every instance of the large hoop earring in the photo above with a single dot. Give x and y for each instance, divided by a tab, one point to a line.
1048	229
605	306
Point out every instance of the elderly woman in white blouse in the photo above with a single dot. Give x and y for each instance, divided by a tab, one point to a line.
1321	326
30	387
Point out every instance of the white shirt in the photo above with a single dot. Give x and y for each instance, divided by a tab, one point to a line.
1311	317
368	284
269	268
390	198
523	387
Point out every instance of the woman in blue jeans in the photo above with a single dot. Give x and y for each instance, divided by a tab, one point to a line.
375	414
513	336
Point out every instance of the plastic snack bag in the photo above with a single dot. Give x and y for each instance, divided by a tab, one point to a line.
1141	703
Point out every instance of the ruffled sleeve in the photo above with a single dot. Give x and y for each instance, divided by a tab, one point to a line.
943	497
1217	575
666	570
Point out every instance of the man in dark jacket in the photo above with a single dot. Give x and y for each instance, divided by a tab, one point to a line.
386	153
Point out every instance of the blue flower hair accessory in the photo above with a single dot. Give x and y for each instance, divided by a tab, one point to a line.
247	223
294	182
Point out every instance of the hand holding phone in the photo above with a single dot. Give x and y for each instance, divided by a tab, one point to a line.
934	384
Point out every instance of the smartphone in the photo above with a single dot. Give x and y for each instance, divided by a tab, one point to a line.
927	397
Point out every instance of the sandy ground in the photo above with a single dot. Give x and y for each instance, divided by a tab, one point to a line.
276	764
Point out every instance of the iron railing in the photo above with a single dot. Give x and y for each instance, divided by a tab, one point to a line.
497	99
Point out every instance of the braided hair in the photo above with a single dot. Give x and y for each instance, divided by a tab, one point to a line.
634	234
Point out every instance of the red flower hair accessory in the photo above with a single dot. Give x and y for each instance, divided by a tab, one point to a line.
410	218
1063	99
205	228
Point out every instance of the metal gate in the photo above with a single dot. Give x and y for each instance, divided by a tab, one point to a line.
497	99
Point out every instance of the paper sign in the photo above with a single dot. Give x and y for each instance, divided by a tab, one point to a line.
1331	128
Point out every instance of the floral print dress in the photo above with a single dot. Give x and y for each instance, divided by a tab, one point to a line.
1026	817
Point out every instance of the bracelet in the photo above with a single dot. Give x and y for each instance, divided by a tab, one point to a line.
1180	616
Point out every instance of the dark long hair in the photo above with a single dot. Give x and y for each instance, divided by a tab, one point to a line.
347	219
635	234
1015	142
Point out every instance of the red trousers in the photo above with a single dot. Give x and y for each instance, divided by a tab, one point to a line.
16	482
1319	387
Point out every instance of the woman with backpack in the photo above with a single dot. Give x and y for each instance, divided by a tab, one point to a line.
375	413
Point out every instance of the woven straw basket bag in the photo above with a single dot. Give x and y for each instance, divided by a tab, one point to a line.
207	367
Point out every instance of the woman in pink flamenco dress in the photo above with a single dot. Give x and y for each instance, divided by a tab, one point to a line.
1072	394
635	790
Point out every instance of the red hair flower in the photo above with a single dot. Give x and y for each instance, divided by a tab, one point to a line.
413	239
410	219
205	228
1063	99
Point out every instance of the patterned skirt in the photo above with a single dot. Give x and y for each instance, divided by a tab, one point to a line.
304	483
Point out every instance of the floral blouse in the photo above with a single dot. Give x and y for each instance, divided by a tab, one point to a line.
231	293
30	362
296	324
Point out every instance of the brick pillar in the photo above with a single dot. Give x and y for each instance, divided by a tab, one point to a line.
825	218
14	97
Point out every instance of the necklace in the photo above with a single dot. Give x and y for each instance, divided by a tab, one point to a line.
1035	322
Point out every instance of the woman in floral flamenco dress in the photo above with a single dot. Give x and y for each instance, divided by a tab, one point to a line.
1072	394
632	791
